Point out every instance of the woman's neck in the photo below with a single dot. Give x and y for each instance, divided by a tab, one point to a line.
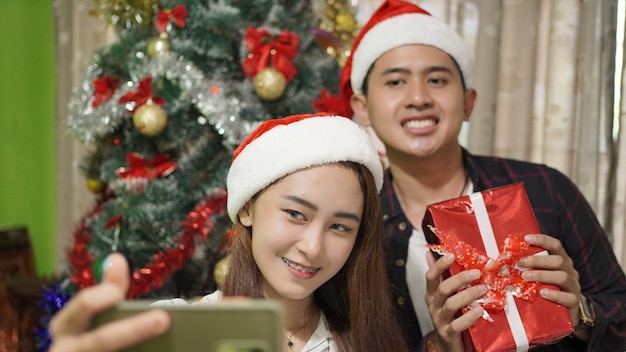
300	313
301	318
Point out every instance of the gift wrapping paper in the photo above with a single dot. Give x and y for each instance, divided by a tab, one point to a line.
485	230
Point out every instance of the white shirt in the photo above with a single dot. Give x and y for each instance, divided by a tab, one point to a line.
416	267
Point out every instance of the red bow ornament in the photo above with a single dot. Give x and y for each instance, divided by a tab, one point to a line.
277	50
141	95
329	102
500	275
178	15
104	88
139	171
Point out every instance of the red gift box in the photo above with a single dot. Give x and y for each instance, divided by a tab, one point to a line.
485	230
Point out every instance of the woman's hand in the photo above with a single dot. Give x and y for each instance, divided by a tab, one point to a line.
70	326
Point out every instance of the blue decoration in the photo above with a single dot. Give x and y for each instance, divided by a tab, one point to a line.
52	299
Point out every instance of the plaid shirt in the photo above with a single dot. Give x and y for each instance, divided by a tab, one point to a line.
561	212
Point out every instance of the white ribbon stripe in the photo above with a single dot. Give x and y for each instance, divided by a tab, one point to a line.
491	247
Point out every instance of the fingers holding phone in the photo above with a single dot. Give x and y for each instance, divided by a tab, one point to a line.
69	328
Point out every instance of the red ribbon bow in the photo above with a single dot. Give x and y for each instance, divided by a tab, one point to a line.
500	275
329	102
104	88
141	95
178	14
138	167
277	50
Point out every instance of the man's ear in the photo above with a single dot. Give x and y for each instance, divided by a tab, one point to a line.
470	103
245	215
358	102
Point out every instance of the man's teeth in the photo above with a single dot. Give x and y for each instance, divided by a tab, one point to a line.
300	267
420	123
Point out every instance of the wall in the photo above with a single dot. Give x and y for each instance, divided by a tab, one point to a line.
27	171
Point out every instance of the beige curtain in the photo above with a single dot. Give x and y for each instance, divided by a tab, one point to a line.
554	95
545	73
77	36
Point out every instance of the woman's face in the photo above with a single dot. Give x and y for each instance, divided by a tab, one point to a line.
304	228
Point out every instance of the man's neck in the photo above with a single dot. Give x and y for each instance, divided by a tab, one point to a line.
422	181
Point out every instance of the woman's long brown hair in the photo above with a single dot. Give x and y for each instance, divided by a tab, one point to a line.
357	300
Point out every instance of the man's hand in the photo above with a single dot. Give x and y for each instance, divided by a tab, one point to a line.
444	302
556	269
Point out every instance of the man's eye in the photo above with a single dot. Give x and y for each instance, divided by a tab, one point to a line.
438	81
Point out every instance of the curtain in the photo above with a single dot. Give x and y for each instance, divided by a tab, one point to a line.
554	96
77	36
544	72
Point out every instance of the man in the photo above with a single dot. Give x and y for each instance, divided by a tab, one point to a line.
409	78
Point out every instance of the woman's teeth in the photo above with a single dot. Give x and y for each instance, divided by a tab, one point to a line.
300	267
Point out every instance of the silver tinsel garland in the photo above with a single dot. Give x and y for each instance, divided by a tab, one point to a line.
211	98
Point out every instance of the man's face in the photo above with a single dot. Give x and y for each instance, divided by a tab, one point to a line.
415	101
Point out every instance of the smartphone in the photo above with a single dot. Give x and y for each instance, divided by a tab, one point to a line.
237	326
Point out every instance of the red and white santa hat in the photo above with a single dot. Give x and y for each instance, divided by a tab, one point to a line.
396	23
282	146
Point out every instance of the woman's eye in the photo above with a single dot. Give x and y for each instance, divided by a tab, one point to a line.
294	214
341	228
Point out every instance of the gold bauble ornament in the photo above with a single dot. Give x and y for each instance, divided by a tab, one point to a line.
345	22
269	84
221	268
95	185
150	119
158	45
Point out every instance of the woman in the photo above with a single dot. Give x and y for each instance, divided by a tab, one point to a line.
303	197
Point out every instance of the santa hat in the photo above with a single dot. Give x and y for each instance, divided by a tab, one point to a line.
282	146
396	23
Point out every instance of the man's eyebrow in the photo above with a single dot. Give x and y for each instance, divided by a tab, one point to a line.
432	69
395	70
429	69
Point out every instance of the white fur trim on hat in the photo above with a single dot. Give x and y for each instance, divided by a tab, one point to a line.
287	148
405	29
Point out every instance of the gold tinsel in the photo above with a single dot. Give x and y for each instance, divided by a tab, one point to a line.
339	19
126	13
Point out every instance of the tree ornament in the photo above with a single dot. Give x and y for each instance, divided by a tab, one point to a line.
166	17
221	268
150	119
95	185
126	13
98	267
158	45
269	84
346	23
338	28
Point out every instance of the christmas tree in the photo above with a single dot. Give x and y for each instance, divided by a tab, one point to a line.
163	108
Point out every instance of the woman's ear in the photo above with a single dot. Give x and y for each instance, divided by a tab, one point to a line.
245	215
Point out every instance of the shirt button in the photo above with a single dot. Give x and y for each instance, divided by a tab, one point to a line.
385	217
402	226
399	262
400	301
